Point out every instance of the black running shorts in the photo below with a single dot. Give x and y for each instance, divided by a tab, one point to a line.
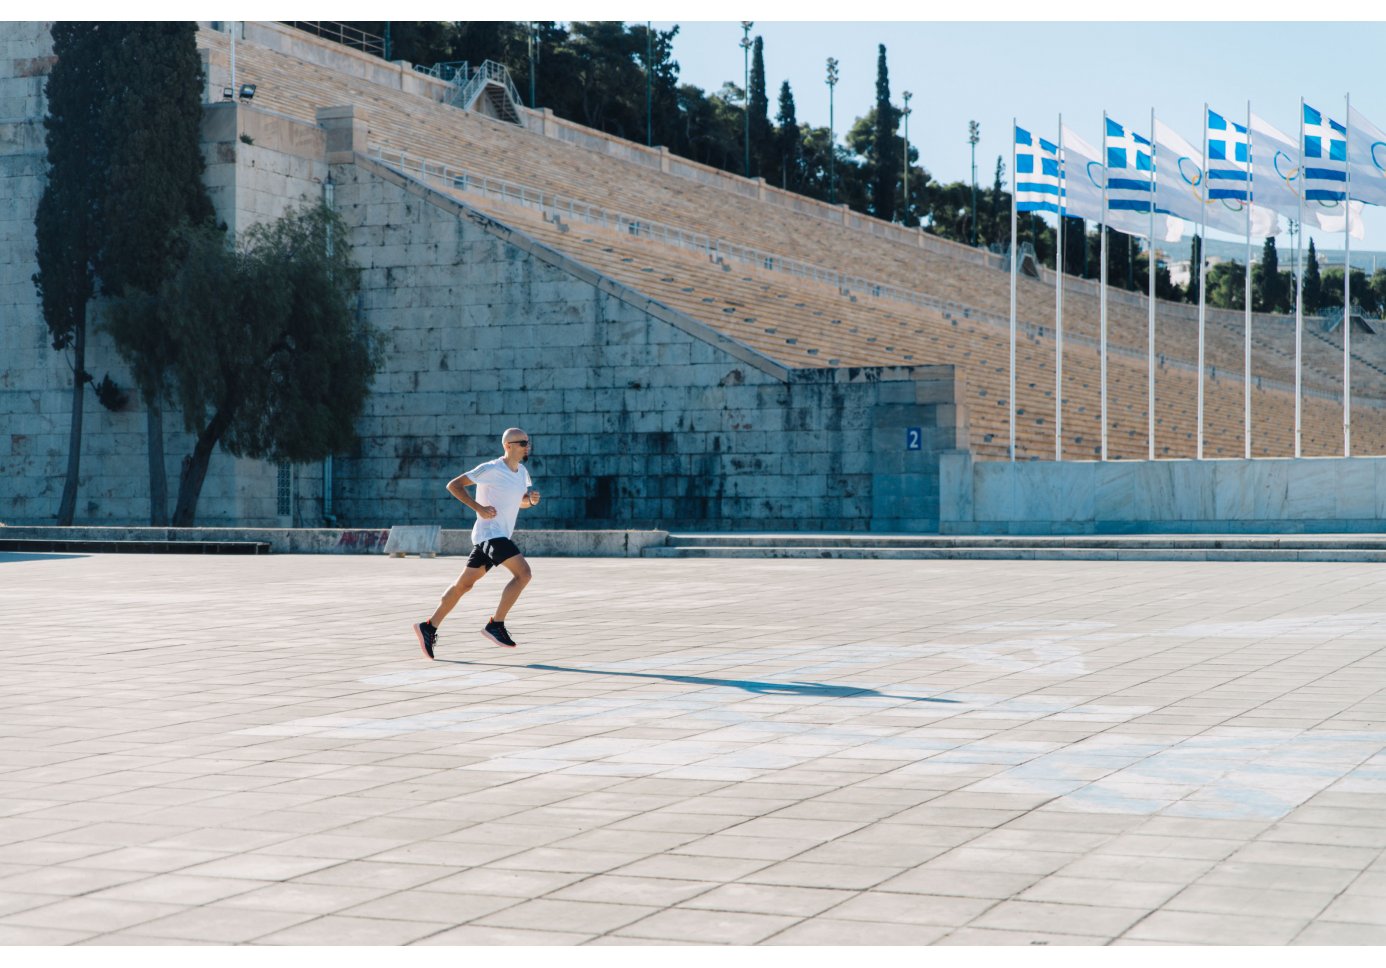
490	553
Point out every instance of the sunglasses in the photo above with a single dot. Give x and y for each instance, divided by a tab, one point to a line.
522	443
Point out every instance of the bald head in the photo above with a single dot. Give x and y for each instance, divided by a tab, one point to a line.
513	433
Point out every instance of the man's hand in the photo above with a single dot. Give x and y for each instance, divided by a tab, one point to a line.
486	512
533	498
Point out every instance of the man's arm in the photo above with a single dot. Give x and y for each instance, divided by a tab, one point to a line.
530	499
457	487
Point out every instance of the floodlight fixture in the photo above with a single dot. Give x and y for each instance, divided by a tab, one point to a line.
247	91
746	46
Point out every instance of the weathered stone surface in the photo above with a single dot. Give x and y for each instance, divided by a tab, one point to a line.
642	418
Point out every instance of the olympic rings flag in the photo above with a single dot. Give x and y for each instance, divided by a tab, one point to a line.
1367	156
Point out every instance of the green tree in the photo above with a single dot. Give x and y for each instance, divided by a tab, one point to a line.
884	161
762	134
1378	293
788	137
1313	282
270	361
1227	285
1195	260
152	186
996	228
1268	294
1075	246
67	222
1119	268
1332	293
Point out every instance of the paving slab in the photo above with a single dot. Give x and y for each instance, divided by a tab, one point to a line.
692	751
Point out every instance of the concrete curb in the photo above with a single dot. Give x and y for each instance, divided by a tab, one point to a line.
359	541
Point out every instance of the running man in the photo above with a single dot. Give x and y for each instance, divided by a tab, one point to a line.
503	487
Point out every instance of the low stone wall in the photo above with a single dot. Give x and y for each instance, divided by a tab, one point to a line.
1310	495
363	541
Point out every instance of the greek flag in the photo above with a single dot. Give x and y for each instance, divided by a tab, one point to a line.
1229	159
1038	185
1325	158
1367	152
1130	171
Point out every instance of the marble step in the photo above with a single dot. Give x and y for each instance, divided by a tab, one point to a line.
1327	542
1016	552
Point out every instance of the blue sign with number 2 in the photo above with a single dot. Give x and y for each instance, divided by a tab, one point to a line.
914	438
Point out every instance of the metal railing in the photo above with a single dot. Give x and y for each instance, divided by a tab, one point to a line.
344	34
556	207
447	71
488	73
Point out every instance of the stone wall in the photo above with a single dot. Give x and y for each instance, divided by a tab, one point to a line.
641	417
1281	496
248	182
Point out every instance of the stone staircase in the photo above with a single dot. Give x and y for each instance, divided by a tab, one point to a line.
1167	547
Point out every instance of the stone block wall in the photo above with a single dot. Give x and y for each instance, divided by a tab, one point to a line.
248	182
1265	495
640	417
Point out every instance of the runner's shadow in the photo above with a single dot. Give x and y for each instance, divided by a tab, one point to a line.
819	689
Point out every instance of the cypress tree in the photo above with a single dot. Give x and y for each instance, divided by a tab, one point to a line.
1266	279
67	222
788	144
1313	282
999	215
887	165
1195	260
761	135
151	122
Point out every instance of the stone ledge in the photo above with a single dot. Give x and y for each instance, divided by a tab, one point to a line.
354	541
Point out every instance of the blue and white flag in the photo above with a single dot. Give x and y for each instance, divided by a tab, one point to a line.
1130	171
1232	181
1274	169
1229	159
1182	187
1325	158
1084	175
1367	153
1038	182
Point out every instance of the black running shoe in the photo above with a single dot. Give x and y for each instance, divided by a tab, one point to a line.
427	636
495	631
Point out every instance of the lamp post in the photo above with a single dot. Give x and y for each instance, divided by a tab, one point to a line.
746	26
974	134
533	56
832	134
905	114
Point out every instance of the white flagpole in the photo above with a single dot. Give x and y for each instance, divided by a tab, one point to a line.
1299	297
1059	307
1013	275
1347	282
1150	327
1102	290
1246	363
1202	279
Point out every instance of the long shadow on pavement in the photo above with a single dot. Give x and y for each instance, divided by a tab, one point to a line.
765	688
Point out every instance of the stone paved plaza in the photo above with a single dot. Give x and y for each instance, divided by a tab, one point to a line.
231	750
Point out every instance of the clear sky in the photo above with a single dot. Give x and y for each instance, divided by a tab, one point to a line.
991	72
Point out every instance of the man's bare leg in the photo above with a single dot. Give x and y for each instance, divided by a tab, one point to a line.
464	583
519	568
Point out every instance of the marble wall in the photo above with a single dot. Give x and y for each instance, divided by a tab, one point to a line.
1311	494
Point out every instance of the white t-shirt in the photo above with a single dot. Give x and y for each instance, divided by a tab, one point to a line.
501	488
